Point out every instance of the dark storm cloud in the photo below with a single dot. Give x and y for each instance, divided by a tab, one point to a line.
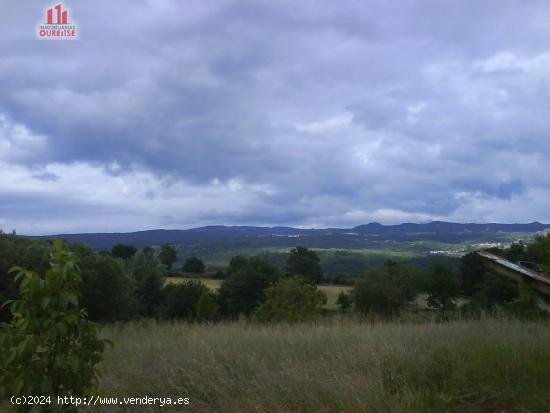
304	113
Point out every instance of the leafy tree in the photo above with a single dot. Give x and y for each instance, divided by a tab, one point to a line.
539	250
305	262
243	290
472	272
181	299
386	290
238	262
20	251
168	255
292	299
193	265
149	281
495	290
207	308
149	251
123	251
49	348
443	288
107	289
515	252
344	301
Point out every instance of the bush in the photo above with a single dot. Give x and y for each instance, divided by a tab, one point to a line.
495	290
180	300
207	308
292	300
49	348
344	301
525	305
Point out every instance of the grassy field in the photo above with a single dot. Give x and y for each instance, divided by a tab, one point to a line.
346	366
332	291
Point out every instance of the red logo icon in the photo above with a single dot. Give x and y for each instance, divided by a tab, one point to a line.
57	25
61	15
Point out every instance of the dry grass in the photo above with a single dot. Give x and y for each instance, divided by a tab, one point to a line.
209	282
346	366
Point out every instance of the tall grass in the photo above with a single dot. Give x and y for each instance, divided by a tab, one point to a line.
463	366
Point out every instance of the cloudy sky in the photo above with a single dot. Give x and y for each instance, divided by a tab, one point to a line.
176	114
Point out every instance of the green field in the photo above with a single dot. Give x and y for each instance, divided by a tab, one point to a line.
332	291
346	366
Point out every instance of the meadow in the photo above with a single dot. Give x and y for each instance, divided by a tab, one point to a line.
346	366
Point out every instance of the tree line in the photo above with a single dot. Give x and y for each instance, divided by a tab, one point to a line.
128	283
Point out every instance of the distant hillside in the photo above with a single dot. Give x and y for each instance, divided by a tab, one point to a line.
362	236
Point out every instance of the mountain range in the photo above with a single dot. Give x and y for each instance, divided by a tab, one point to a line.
361	236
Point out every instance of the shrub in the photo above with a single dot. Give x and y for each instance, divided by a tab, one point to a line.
344	301
180	300
525	304
207	308
49	348
292	299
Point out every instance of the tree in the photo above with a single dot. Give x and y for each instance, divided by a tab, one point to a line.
238	262
472	272
20	251
168	255
148	251
123	251
242	291
539	250
344	301
443	287
305	262
515	252
193	265
386	290
49	348
149	281
292	300
181	299
495	290
107	293
207	308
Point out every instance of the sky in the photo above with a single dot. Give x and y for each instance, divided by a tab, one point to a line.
178	114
